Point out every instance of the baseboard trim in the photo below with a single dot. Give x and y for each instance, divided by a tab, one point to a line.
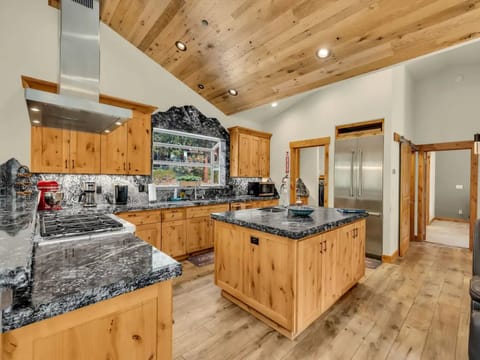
439	218
390	258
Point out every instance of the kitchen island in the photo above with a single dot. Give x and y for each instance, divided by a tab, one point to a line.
102	297
287	270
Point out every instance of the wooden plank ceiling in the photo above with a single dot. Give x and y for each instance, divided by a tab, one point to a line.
265	49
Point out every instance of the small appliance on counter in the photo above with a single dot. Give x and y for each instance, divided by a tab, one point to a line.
50	195
121	194
87	197
266	187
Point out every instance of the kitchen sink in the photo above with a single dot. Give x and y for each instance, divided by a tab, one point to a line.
272	209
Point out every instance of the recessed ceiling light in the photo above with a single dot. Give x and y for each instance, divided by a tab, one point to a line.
205	22
181	46
322	53
201	86
107	131
274	104
233	92
118	123
35	109
36	121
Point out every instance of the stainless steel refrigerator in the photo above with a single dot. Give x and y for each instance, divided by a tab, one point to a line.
358	183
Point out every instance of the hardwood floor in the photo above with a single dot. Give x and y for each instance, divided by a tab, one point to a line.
416	308
449	233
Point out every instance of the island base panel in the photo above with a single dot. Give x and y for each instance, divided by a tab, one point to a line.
136	325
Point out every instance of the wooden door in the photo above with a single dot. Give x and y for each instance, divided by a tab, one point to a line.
405	197
50	150
344	258
114	151
310	280
329	267
244	158
264	158
84	153
150	233
269	276
254	153
174	238
139	143
229	257
358	251
197	234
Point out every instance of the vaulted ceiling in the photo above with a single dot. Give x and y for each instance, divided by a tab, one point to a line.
265	49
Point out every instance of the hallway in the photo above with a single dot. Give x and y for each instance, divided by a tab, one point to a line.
449	233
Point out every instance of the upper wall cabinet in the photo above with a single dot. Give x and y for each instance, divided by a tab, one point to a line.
249	152
126	150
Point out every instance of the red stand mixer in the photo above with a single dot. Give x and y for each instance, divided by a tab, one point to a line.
50	195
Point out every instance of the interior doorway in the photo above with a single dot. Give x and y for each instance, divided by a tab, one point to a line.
448	197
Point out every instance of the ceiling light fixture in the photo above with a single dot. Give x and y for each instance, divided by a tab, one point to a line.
274	104
35	109
205	22
107	131
201	86
36	121
180	46
233	92
323	53
118	123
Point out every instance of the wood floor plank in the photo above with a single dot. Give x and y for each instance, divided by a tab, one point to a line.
417	308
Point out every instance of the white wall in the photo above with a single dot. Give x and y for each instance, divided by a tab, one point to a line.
359	99
310	170
29	46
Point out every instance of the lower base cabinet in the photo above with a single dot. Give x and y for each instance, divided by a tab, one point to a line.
174	238
288	283
150	233
133	326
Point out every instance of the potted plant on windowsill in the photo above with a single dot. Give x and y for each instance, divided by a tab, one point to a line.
189	180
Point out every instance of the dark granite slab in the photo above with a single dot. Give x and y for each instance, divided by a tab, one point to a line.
285	224
71	274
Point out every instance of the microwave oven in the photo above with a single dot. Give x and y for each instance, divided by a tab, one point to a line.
261	188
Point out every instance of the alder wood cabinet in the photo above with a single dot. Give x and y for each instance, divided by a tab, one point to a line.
253	204
126	150
64	151
135	325
288	283
249	152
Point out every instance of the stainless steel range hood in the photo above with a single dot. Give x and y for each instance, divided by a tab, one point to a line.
76	106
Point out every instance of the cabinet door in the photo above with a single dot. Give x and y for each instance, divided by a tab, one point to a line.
264	158
139	144
329	291
229	257
358	251
50	150
254	153
150	233
114	151
269	276
173	238
344	258
244	158
84	153
197	234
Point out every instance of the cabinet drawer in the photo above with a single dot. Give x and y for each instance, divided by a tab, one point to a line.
141	217
201	211
173	214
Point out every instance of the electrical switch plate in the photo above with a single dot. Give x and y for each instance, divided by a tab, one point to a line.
460	212
459	187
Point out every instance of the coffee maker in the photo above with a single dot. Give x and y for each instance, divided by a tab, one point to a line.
121	194
87	197
50	195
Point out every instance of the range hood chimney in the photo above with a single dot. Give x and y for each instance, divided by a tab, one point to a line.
76	106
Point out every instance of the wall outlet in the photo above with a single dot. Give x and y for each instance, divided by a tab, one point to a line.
460	212
459	187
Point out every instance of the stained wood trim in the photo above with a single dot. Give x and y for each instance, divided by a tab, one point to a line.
389	259
360	132
454	145
295	147
442	218
248	131
400	139
427	190
412	198
421	195
38	84
473	193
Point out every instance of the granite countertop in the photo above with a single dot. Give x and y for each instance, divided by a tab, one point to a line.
285	224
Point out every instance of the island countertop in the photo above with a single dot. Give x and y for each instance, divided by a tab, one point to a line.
284	224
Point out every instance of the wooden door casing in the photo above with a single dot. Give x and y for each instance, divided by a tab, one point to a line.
405	198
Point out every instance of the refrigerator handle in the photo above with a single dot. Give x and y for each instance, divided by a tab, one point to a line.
360	173
351	174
